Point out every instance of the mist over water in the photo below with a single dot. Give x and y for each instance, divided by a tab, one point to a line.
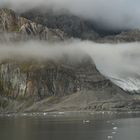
118	62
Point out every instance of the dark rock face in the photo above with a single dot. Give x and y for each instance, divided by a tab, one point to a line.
36	83
41	80
127	36
84	29
71	25
38	31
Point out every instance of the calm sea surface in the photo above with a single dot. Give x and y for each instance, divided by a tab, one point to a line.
77	127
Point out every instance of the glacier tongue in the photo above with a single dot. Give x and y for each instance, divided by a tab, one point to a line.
128	84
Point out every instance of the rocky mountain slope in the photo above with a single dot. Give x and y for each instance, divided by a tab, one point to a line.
10	22
77	27
53	85
33	86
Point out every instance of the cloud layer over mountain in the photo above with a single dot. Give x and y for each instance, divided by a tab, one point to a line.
113	60
111	14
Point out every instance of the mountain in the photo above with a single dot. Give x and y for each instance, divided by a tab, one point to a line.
61	85
10	22
77	27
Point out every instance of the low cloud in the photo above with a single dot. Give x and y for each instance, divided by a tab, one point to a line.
120	14
118	62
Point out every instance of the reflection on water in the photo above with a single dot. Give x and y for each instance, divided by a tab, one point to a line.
62	127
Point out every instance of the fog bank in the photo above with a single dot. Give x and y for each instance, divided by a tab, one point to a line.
118	62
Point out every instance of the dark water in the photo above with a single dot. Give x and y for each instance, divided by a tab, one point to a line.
61	127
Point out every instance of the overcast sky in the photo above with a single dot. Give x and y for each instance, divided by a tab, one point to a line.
111	13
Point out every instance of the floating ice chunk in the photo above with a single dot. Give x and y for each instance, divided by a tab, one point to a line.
113	132
92	113
110	137
61	113
44	113
86	121
115	128
8	115
24	114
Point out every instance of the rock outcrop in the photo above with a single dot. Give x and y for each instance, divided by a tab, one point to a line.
8	20
77	27
127	36
38	31
11	23
48	79
72	25
53	27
